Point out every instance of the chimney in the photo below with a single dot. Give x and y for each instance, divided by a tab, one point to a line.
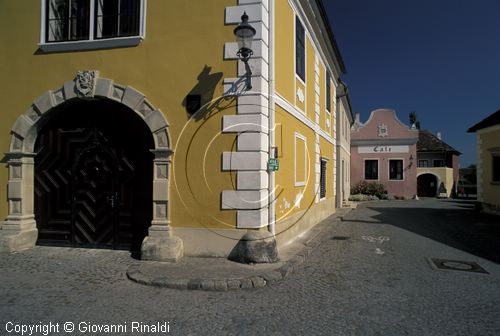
357	119
439	135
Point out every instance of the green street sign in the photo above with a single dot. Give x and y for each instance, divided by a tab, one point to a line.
273	164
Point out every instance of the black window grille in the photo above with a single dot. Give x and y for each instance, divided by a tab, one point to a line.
322	179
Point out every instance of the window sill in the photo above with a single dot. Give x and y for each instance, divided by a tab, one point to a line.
117	42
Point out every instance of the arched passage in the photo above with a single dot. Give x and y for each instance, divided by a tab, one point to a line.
427	185
20	230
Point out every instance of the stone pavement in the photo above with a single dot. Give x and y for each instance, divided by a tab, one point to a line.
221	274
369	275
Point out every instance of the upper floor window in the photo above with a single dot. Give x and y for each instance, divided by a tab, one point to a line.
438	163
328	94
423	163
300	50
85	24
67	20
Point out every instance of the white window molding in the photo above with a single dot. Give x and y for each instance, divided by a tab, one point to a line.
92	42
299	137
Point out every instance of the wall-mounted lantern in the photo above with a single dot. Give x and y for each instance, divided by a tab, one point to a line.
244	33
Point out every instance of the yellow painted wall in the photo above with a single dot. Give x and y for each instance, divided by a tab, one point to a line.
490	191
176	58
285	176
284	50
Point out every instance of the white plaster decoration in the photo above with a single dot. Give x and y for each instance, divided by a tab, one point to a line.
300	95
383	130
132	98
257	66
44	102
251	122
69	90
237	86
245	123
244	161
253	142
300	141
103	87
252	219
249	180
303	118
244	199
264	3
33	114
117	92
58	96
19	229
256	13
85	83
22	126
156	121
255	104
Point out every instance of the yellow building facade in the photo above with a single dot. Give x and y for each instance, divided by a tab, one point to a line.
134	127
488	162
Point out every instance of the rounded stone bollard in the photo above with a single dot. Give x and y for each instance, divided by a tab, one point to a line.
257	247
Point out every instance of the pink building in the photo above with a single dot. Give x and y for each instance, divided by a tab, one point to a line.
384	150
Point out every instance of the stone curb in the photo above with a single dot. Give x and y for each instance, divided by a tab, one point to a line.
269	278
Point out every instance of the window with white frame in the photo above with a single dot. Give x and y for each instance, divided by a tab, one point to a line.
300	50
395	169
300	159
328	93
371	169
91	20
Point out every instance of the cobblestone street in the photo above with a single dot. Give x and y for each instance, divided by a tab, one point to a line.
369	276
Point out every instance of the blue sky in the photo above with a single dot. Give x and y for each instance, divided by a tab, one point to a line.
440	58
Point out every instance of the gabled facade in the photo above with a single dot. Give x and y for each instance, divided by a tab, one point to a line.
437	166
134	127
488	162
383	150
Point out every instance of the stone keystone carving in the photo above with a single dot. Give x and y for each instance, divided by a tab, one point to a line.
85	83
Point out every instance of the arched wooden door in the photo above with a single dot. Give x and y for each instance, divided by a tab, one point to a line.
93	177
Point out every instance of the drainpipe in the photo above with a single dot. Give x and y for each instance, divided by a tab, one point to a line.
272	202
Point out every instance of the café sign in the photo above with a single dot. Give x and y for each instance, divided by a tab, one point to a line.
383	149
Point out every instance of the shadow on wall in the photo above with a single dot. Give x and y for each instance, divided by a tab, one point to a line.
199	102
